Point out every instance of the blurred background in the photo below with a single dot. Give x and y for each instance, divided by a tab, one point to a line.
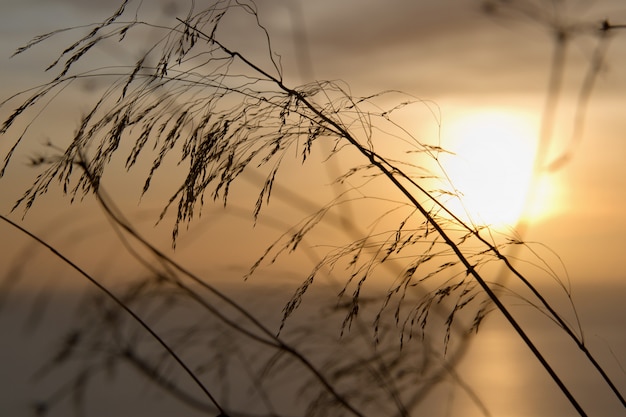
484	71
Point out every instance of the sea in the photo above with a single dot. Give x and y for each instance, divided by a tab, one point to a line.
497	376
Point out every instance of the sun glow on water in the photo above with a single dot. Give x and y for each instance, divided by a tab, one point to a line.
492	167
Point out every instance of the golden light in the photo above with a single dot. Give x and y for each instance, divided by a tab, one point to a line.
492	166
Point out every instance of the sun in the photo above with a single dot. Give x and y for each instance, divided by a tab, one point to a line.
492	168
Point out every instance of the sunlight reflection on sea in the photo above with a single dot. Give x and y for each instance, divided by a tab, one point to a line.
498	367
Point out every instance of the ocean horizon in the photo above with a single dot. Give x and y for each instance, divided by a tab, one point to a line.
498	367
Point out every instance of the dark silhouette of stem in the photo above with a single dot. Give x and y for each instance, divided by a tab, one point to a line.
389	171
274	341
124	307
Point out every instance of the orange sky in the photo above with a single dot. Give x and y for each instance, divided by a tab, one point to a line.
448	52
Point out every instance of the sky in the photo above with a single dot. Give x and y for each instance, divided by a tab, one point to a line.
486	75
467	62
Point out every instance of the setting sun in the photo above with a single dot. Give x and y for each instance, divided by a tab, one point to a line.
492	167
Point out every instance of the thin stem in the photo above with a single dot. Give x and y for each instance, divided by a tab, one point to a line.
124	306
380	163
277	342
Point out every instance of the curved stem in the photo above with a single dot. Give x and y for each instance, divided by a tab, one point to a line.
380	163
274	341
124	307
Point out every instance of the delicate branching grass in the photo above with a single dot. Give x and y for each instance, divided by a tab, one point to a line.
222	113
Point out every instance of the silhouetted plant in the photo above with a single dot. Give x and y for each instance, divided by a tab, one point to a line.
222	112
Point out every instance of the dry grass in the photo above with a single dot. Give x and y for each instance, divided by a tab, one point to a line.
220	114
